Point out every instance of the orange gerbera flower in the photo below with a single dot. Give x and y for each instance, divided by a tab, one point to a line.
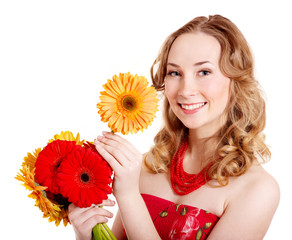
128	104
51	210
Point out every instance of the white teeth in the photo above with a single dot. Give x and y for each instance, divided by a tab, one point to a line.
192	107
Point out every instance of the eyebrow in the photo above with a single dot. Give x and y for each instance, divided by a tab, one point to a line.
196	64
173	64
201	63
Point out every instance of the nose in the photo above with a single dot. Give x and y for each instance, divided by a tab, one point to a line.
188	87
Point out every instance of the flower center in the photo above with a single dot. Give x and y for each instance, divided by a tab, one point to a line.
129	103
56	164
84	177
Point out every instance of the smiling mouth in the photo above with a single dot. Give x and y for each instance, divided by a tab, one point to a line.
192	106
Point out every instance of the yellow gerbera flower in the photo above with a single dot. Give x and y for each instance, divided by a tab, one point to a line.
68	136
30	159
128	104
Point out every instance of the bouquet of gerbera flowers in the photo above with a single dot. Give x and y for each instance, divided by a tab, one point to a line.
67	170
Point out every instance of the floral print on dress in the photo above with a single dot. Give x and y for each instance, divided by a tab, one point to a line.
185	225
178	221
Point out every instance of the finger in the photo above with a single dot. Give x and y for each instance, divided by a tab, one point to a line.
120	141
118	147
99	215
118	153
77	211
95	219
114	153
86	223
106	203
74	210
115	164
99	211
81	215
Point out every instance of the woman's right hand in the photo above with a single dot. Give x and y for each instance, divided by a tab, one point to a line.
84	219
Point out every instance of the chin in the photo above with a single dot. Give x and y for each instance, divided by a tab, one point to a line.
203	130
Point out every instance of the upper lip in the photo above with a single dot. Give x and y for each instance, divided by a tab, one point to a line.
192	103
192	106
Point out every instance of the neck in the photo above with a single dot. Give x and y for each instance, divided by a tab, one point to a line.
207	131
197	143
199	152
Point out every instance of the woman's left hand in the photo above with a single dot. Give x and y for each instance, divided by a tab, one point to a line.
124	159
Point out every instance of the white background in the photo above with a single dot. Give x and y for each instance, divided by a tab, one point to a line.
55	55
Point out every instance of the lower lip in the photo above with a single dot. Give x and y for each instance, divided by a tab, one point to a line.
186	111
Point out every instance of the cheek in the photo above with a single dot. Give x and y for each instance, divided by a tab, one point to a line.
219	92
169	91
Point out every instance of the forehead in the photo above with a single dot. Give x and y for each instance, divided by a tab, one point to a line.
194	47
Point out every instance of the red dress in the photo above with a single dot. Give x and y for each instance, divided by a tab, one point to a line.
179	221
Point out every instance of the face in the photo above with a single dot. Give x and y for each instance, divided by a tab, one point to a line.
197	91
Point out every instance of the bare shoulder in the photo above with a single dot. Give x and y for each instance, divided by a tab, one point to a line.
257	183
256	188
250	206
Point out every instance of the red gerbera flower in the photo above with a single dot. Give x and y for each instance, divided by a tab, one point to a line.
90	145
48	161
84	177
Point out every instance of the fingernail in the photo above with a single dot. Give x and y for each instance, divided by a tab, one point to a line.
99	138
97	144
105	133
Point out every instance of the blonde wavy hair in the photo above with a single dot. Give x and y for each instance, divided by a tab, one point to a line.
240	141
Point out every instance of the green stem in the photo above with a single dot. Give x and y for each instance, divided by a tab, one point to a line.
101	231
96	232
110	233
104	234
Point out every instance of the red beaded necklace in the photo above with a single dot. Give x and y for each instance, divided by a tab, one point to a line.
181	181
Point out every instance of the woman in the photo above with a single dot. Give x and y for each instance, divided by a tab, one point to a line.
203	176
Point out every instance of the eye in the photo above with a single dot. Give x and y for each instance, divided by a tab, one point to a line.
173	73
204	73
